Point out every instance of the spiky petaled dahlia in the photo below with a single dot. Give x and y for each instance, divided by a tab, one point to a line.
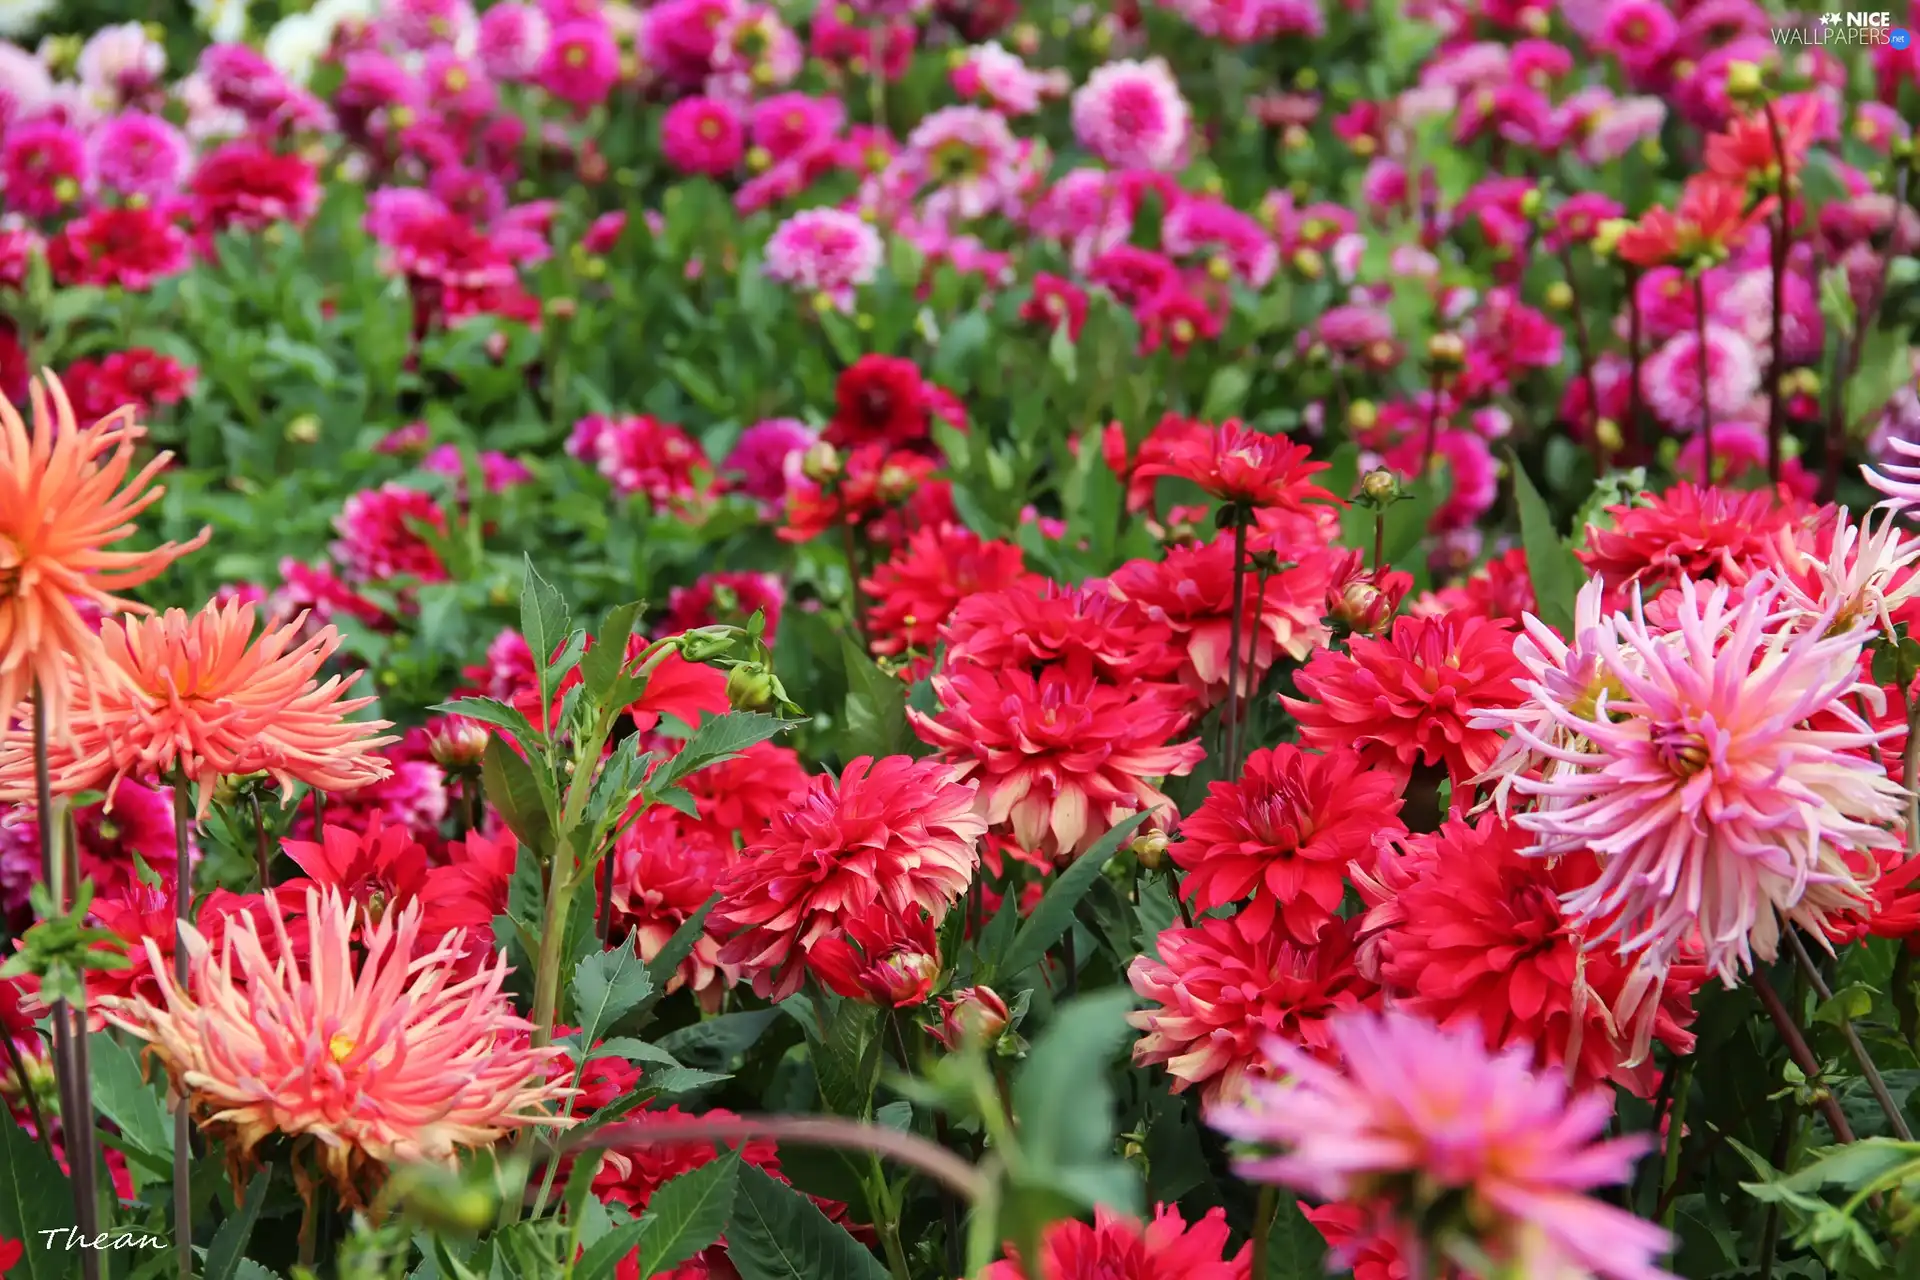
1462	928
364	1059
1405	699
65	498
914	590
1712	806
1423	1128
1059	756
1835	573
203	696
1283	833
897	832
1221	988
1042	621
1685	532
665	869
1241	467
1191	592
1898	479
1115	1247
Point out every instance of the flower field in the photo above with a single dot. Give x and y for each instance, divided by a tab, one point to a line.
959	640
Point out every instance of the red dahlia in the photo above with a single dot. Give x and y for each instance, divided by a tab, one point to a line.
879	400
1041	621
1240	466
914	591
1284	834
1405	700
1119	1248
127	245
1686	531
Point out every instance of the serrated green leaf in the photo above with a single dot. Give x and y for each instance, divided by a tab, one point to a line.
35	1197
229	1246
127	1099
496	713
605	986
543	622
687	1214
600	665
876	711
515	793
776	1233
718	1041
666	963
1551	565
716	739
1054	914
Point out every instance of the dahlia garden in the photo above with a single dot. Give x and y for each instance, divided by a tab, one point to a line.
959	640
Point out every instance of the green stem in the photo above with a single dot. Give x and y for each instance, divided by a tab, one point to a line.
183	914
1871	1072
1263	1219
1676	1132
886	1220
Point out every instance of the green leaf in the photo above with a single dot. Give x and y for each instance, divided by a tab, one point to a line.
229	1245
543	620
496	713
777	1234
1063	354
846	1058
687	1214
716	1042
1064	1102
125	1098
876	713
1555	571
1226	393
35	1197
718	739
1849	1004
1054	914
600	665
605	986
1295	1250
513	790
604	1254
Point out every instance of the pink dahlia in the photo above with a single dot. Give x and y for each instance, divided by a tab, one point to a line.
824	251
757	464
1462	928
1283	833
915	590
703	135
1216	992
896	832
581	63
1118	1248
1670	378
1693	776
1415	1120
664	871
512	40
1060	756
1131	115
642	455
136	154
377	1058
380	535
1041	621
1405	700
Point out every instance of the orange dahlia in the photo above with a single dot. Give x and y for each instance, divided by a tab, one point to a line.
201	695
64	499
364	1059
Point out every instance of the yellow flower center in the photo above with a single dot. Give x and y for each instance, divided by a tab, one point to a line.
340	1046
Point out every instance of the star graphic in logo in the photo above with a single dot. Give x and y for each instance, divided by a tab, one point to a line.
1830	19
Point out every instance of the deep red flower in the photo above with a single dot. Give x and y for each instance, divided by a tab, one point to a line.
630	1175
1502	589
1172	437
913	592
879	400
470	889
1056	301
1352	1234
127	245
1896	901
1219	990
881	957
896	832
1061	757
381	868
1119	1248
743	794
245	185
1688	530
1462	927
724	598
665	869
1042	621
1283	833
872	479
1241	466
1405	699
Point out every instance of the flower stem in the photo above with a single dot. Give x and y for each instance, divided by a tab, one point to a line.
263	859
76	1093
182	912
886	1222
1263	1216
1782	241
1583	346
1230	726
1802	1055
1706	394
1860	1055
1676	1138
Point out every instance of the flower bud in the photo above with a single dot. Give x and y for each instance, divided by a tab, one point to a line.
1530	202
1446	350
1150	847
304	429
457	743
896	483
1379	487
1362	415
1309	263
975	1014
1607	235
749	688
1607	432
1559	295
1743	81
706	643
820	463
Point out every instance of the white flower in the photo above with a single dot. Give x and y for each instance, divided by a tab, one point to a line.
223	20
17	17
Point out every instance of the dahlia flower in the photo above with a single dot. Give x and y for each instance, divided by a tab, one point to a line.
1687	531
1284	833
1061	756
1465	930
1426	1131
1131	115
879	400
1405	699
1712	805
1670	378
1191	592
1041	621
1115	1247
1899	480
664	871
824	251
914	591
203	696
1218	990
372	1059
64	499
378	868
380	539
880	957
1838	573
895	832
1241	467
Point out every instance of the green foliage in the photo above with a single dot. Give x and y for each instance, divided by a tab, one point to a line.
776	1233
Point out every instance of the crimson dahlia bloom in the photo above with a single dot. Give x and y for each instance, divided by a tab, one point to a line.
1217	991
1687	532
1061	756
1462	928
1407	699
1042	621
881	957
378	869
1243	467
1284	833
897	833
879	400
933	572
665	869
1118	1248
